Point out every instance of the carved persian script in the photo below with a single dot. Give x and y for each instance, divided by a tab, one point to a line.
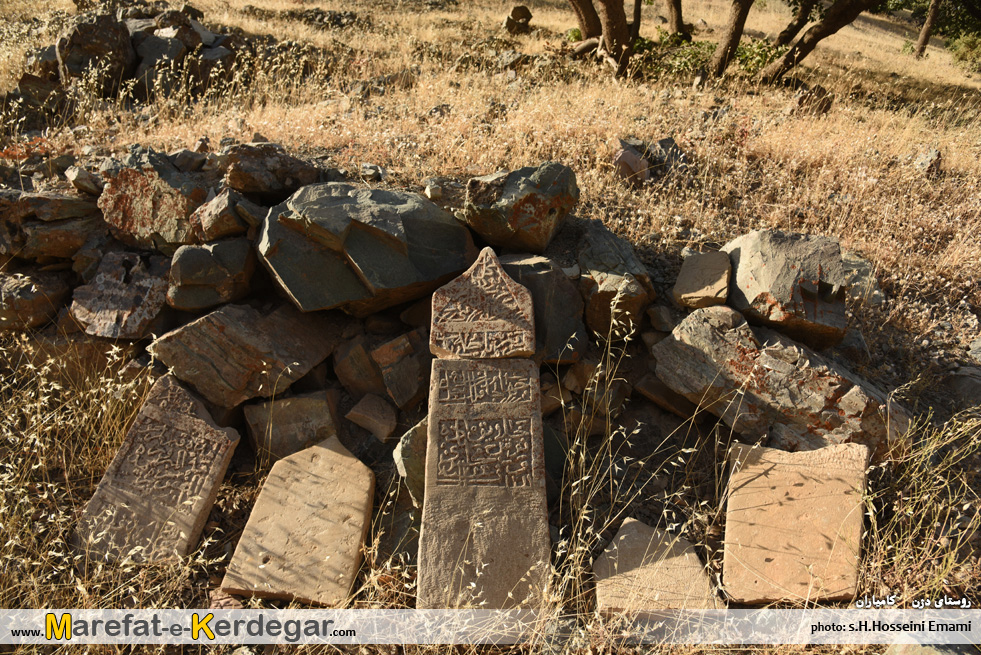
483	313
156	494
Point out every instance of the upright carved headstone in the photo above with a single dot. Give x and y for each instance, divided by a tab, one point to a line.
484	540
155	497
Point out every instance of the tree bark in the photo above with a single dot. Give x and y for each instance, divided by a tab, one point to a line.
616	34
841	13
589	22
730	38
794	27
931	18
676	25
635	26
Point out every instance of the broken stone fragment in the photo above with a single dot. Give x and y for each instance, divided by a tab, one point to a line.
796	283
124	298
523	209
42	226
629	163
155	497
404	364
237	352
646	569
762	384
703	280
794	524
304	537
279	428
96	45
410	460
202	277
30	298
218	218
84	181
266	170
375	415
361	250
356	370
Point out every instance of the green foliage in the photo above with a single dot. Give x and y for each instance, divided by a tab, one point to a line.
908	47
754	56
671	55
953	21
967	50
574	35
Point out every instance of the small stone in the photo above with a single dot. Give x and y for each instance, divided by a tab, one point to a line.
930	163
202	277
629	163
975	350
404	364
375	415
647	569
218	218
662	319
703	280
188	161
125	298
84	181
30	298
304	537
281	427
434	191
410	460
267	170
356	370
794	524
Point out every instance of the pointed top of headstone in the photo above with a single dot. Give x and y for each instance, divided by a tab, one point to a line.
482	314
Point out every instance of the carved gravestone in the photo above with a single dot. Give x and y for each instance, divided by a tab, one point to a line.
155	497
484	540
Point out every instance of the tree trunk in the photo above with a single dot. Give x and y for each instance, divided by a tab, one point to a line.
730	38
635	26
616	34
931	18
841	13
676	25
589	22
794	27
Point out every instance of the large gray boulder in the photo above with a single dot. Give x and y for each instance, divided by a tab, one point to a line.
522	209
763	384
796	283
361	250
98	45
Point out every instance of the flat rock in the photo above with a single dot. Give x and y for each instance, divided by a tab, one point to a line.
614	284
125	298
304	537
763	384
523	209
796	283
155	497
202	277
42	226
236	352
281	427
484	540
98	45
560	333
794	524
703	280
31	298
356	370
410	460
404	366
266	170
483	313
148	203
375	415
646	569
361	250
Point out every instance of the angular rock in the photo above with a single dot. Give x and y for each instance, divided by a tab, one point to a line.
148	202
662	319
30	298
646	569
159	68
41	226
42	62
155	497
266	170
188	161
964	388
218	218
661	395
125	297
795	283
236	352
975	350
210	68
614	284
814	100
281	427
703	280
560	333
763	384
356	370
97	43
517	22
84	181
629	164
522	209
794	524
202	277
930	163
404	365
361	250
304	536
410	460
375	415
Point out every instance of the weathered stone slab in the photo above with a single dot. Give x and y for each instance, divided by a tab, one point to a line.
304	536
266	169
125	297
375	415
796	283
39	226
356	370
30	298
794	524
703	280
484	539
281	427
154	498
483	313
762	383
410	460
236	352
646	569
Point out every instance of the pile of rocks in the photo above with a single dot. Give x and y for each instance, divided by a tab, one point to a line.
305	312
